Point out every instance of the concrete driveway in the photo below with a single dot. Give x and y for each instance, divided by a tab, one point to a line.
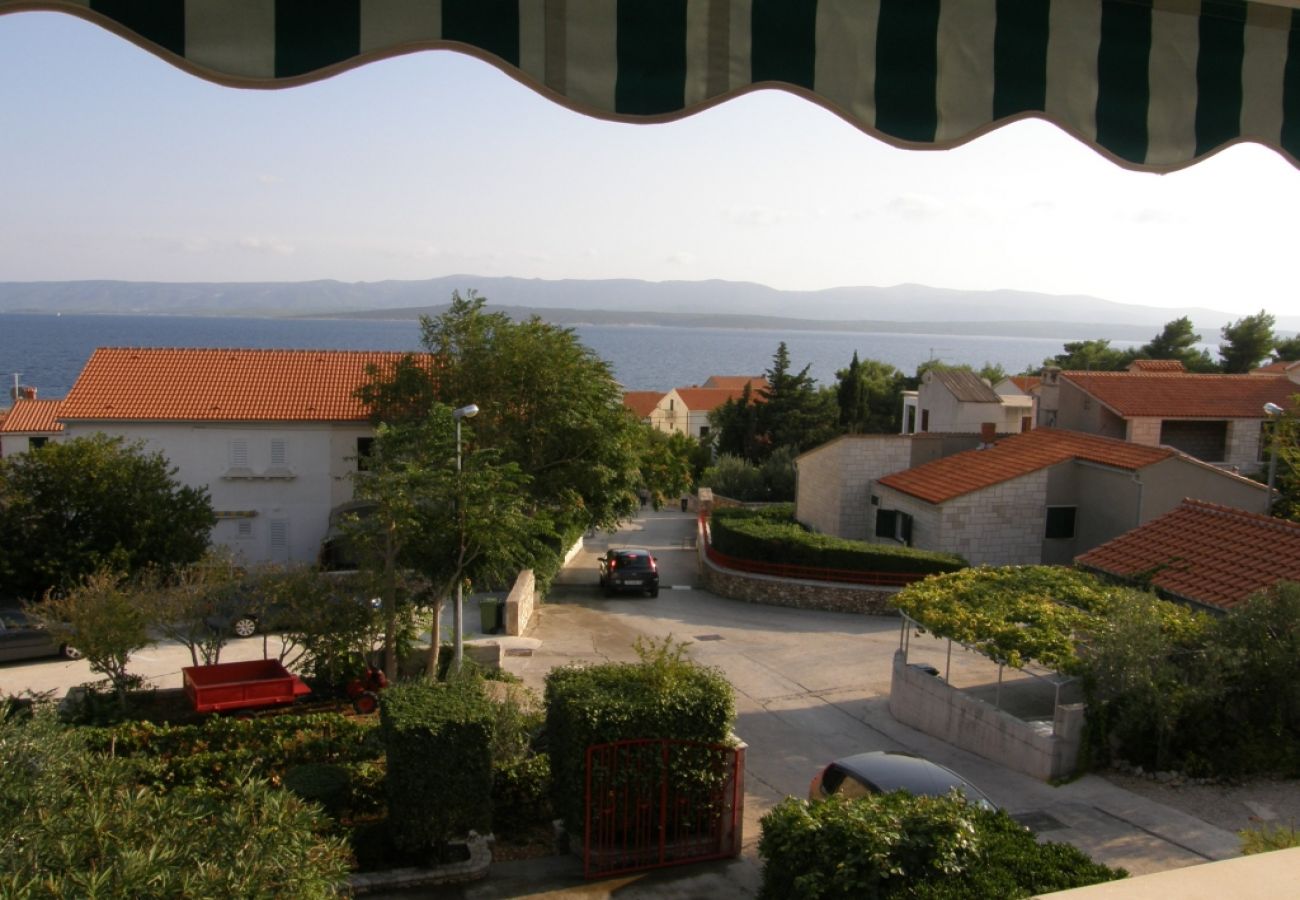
813	686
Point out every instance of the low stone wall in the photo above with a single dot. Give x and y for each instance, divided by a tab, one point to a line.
800	594
520	603
928	703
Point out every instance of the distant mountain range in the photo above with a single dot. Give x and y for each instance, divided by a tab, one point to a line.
720	304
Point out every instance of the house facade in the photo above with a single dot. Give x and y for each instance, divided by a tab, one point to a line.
274	435
1044	496
1217	419
958	400
28	424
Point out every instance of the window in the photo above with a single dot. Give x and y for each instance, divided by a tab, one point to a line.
279	453
365	448
925	420
239	454
704	431
894	525
243	530
279	539
36	443
1060	523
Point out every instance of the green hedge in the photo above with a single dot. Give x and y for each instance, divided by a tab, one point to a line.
438	742
920	848
663	696
770	534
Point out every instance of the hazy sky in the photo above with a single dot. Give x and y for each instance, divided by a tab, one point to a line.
115	165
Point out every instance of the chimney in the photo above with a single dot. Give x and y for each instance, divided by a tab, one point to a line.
29	393
988	434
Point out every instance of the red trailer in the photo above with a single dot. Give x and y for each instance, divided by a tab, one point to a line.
241	685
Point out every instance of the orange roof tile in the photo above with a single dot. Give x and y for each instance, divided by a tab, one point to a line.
1131	394
709	399
642	402
1014	456
1204	552
1157	365
29	416
165	384
1027	383
758	382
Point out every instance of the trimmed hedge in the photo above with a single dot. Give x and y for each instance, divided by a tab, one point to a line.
921	848
770	534
664	696
438	742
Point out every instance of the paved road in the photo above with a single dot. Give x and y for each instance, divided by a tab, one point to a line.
813	686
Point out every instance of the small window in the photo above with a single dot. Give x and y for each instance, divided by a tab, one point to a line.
243	530
1060	523
36	443
365	449
279	453
894	525
704	431
239	454
279	539
925	420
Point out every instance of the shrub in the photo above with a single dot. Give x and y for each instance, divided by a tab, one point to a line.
901	846
437	740
769	536
73	824
1267	838
665	695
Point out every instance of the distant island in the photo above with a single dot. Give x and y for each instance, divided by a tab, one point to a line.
898	309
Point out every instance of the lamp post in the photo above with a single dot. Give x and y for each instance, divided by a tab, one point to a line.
465	412
1272	410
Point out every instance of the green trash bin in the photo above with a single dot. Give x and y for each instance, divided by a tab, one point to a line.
488	609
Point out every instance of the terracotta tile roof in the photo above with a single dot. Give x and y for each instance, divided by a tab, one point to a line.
642	402
1204	552
29	416
709	399
1157	365
1280	367
164	384
1185	396
965	385
1014	456
1027	383
736	381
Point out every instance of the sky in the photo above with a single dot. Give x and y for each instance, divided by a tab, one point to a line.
115	165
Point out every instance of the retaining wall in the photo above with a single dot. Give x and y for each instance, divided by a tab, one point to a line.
797	593
928	703
521	602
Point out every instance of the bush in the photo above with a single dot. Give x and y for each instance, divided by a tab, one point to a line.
772	535
73	824
901	846
665	695
437	737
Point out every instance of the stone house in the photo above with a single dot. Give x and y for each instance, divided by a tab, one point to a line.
274	435
1044	496
958	400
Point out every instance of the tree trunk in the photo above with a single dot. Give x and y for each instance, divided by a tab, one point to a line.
435	640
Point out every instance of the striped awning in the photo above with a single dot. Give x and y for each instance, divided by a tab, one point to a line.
1153	84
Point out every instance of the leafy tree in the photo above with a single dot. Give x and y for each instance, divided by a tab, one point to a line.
734	477
191	606
794	413
667	463
735	423
779	475
443	524
71	508
1287	349
1178	340
1090	356
547	404
1247	342
869	396
105	618
992	372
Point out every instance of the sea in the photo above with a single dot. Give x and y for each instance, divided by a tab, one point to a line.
48	351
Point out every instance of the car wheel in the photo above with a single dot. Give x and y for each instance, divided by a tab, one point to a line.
244	626
67	651
654	592
365	703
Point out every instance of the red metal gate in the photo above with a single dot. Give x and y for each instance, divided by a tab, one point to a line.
653	803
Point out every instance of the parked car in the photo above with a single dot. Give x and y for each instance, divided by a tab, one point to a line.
629	569
885	771
21	638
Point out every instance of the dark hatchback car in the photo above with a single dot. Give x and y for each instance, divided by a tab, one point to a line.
21	638
629	569
882	772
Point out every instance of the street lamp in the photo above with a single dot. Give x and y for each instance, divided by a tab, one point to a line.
1272	410
465	412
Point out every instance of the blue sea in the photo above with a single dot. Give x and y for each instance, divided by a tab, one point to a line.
48	351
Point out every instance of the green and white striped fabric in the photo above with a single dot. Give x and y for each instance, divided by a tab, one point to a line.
1154	84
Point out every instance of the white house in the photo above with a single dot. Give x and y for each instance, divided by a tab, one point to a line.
957	400
29	423
274	435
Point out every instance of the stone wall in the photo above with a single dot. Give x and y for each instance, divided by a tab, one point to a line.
929	704
799	594
520	603
834	481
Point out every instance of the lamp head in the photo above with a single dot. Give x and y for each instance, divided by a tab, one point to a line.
1272	409
466	412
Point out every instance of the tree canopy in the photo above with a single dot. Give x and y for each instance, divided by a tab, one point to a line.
870	397
72	508
1247	342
